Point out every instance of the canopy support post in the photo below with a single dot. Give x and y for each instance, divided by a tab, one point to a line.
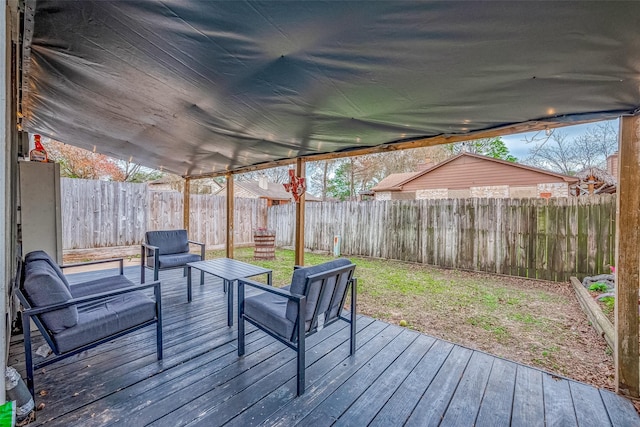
628	258
185	204
230	214
299	248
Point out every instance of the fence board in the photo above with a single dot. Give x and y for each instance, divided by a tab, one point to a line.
98	214
547	239
535	238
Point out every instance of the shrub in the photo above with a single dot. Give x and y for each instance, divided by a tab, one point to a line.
598	287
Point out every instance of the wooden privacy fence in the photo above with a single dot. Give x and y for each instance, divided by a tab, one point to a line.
99	214
536	238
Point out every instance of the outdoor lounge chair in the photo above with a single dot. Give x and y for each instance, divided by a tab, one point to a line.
75	318
317	294
168	249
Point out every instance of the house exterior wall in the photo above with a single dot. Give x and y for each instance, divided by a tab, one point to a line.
383	195
464	193
490	191
559	189
436	193
465	172
523	192
403	195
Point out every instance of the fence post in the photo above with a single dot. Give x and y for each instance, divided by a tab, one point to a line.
186	200
627	265
230	214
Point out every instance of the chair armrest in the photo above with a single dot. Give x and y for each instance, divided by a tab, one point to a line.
202	250
100	261
150	247
88	298
271	289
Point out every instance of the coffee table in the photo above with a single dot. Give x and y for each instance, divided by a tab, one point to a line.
229	270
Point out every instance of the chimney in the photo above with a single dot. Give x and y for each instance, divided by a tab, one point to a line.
612	165
426	164
262	182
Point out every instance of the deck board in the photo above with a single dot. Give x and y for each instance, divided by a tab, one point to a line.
396	377
498	395
558	406
375	397
316	368
431	408
368	342
590	410
528	398
465	404
342	398
621	411
400	406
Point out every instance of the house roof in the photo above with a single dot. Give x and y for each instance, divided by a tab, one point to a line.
395	182
197	88
274	191
391	182
600	174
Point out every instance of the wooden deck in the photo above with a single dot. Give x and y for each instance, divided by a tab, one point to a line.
396	377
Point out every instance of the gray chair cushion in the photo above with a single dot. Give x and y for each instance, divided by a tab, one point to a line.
175	260
269	310
97	286
43	286
97	320
43	256
298	282
169	241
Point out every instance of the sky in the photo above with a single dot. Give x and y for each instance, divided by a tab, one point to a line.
518	148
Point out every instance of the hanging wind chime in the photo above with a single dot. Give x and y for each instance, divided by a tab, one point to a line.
296	185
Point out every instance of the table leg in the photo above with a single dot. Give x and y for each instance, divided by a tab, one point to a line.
189	283
229	285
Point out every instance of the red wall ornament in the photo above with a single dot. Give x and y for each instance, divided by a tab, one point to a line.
296	185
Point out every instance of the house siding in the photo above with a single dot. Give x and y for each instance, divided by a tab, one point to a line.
466	172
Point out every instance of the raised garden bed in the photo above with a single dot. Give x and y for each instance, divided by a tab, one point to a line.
593	311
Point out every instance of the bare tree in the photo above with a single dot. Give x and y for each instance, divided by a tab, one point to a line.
278	175
554	150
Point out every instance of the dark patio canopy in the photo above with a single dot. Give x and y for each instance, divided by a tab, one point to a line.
203	87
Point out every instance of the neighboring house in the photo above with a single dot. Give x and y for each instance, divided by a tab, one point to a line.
598	181
274	193
175	183
473	175
166	183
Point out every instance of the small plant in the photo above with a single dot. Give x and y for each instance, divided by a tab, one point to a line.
609	303
598	287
